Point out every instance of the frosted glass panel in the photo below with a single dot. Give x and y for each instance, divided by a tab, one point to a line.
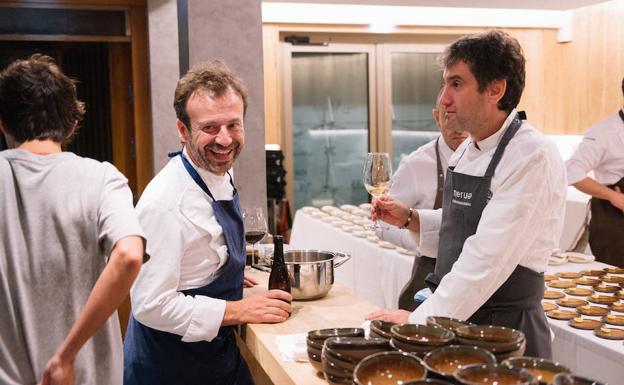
330	127
416	81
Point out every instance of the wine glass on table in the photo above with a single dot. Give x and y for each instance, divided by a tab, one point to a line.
377	174
255	228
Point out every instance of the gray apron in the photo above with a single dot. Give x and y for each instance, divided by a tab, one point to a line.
423	265
517	302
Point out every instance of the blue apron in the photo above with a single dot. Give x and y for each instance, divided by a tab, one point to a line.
154	357
517	302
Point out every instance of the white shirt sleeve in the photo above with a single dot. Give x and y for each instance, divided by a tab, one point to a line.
506	233
156	301
429	235
587	156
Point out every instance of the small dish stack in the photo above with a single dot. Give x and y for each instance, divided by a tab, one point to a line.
316	339
501	341
419	339
340	355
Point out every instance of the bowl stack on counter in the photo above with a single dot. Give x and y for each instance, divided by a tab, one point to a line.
590	300
354	220
446	351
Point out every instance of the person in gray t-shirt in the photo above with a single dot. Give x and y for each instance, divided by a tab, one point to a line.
70	243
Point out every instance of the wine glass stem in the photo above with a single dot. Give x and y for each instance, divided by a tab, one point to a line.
253	254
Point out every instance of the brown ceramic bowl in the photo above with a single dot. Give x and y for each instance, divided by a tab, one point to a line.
323	334
316	362
333	380
500	357
389	368
569	379
381	329
493	375
340	360
403	347
543	370
497	339
429	335
356	348
447	360
314	344
428	381
447	322
333	369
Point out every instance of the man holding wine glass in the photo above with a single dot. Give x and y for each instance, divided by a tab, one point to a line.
419	183
504	196
188	298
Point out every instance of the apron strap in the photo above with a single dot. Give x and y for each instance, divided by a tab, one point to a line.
440	190
500	149
195	175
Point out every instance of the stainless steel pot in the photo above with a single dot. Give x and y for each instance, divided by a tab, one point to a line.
311	271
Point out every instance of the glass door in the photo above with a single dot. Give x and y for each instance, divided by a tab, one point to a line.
330	124
411	81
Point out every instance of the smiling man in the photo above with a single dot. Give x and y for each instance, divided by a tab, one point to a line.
504	198
188	298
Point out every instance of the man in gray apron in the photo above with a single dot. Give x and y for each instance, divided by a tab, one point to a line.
188	299
504	196
602	151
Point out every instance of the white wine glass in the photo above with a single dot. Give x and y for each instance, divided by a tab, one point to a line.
377	174
255	228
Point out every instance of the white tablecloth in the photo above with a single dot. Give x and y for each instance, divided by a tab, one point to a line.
378	274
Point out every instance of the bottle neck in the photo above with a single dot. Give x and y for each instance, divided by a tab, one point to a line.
278	250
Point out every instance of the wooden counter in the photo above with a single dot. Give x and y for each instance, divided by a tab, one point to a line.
340	308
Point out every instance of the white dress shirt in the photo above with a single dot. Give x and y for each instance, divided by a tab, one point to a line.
187	247
520	225
601	151
415	183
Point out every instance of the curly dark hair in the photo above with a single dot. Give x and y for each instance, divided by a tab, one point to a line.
213	76
491	55
38	101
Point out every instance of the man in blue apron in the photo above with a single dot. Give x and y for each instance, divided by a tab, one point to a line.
504	198
602	151
188	298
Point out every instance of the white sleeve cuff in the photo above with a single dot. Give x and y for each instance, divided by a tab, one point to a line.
205	320
427	239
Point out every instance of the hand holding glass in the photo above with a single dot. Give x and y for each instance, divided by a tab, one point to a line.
377	174
255	228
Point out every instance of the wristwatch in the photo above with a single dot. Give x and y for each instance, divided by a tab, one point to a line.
409	218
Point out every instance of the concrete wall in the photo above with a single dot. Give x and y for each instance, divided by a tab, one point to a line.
227	30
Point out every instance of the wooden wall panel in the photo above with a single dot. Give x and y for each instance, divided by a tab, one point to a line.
569	86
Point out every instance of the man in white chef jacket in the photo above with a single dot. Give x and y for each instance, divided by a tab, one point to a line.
504	196
419	183
602	151
188	298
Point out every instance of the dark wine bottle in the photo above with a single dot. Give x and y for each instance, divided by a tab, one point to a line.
278	279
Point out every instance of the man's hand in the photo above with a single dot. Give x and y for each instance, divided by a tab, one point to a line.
267	307
389	210
617	199
396	316
58	372
249	282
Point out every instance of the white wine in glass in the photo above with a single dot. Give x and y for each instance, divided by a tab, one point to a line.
377	174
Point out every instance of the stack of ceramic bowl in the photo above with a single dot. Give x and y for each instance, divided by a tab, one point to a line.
316	339
493	374
419	339
503	342
447	322
445	361
381	329
569	379
340	355
389	368
542	370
